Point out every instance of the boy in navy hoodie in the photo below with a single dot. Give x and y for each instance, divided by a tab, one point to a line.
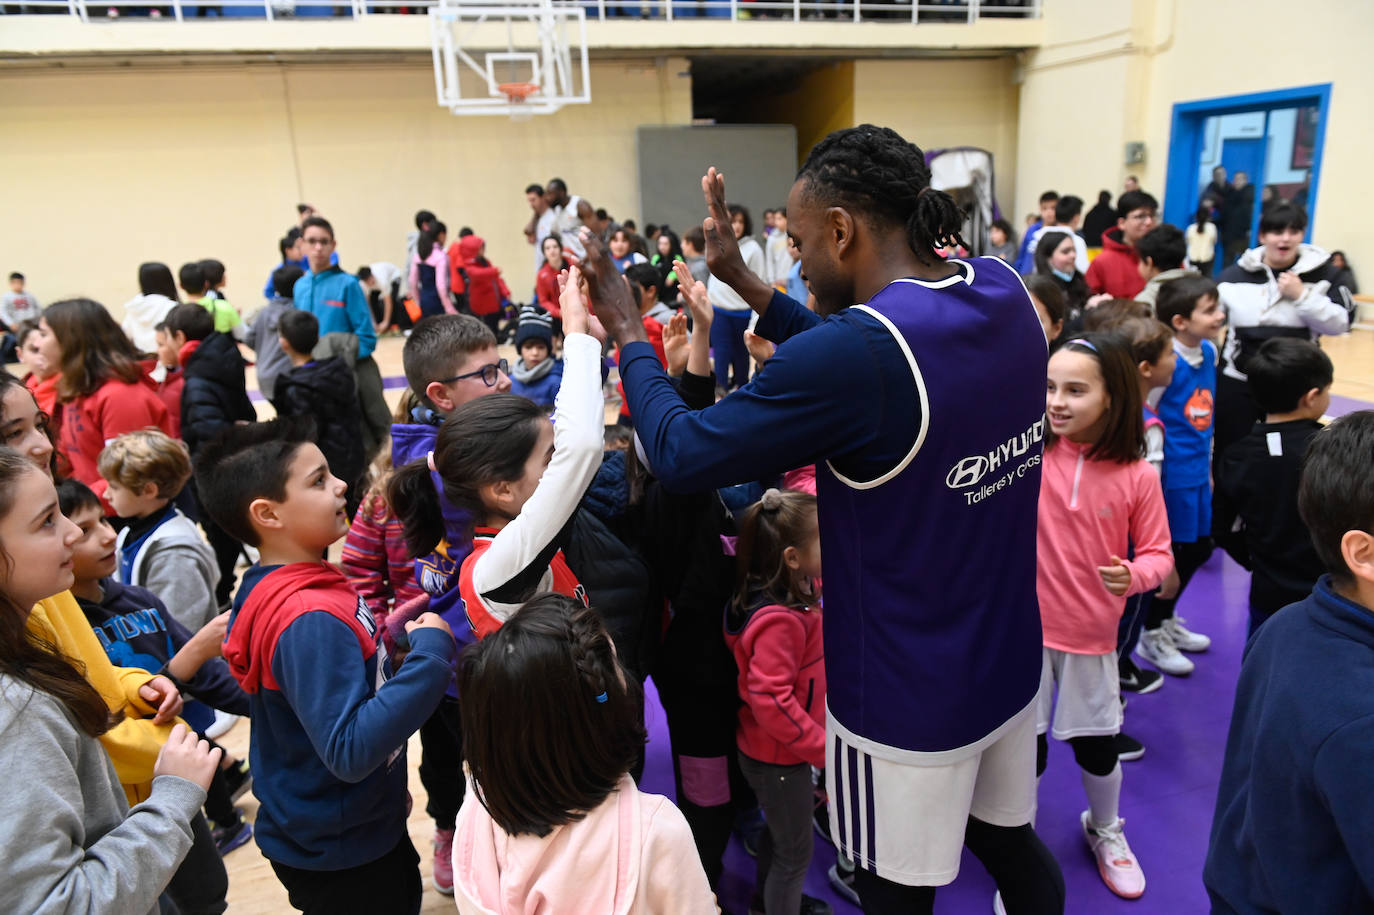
1291	829
330	721
136	630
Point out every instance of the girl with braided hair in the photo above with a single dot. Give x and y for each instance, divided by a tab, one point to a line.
773	628
551	727
917	391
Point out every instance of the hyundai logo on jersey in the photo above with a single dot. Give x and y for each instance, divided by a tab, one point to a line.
968	471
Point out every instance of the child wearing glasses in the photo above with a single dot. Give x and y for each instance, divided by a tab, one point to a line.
449	360
326	390
519	476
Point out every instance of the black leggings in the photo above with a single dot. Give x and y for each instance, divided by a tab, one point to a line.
1188	558
1094	755
1027	875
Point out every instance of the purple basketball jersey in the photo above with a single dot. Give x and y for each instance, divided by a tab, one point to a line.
932	629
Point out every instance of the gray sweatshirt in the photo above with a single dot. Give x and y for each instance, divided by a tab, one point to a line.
71	843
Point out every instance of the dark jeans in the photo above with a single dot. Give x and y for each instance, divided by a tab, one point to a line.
728	349
227	551
1026	874
785	794
200	884
391	884
441	763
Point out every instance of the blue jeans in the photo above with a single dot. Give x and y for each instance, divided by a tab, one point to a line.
728	349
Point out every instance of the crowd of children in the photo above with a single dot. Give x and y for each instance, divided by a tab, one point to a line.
512	569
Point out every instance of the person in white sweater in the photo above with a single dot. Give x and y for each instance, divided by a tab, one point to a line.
145	311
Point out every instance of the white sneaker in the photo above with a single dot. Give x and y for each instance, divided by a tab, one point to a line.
1115	861
1184	638
1157	647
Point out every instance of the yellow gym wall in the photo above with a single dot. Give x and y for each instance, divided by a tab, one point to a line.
1109	73
941	103
120	165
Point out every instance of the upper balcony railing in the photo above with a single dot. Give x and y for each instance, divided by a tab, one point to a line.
819	11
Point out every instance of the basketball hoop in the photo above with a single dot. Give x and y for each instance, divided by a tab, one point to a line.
516	93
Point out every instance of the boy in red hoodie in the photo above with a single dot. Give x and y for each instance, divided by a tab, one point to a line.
1116	271
330	722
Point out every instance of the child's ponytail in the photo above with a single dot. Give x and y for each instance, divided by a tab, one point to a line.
485	441
410	492
782	518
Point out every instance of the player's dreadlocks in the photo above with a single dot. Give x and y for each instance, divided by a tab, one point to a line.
874	171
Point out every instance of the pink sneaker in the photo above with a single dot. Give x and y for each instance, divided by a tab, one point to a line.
443	861
1115	861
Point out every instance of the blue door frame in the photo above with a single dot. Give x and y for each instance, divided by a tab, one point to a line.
1185	144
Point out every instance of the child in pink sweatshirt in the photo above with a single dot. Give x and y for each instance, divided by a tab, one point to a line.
1097	496
552	821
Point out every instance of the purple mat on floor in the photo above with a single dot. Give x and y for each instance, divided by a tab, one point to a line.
1167	797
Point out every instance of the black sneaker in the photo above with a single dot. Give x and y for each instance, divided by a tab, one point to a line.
231	836
1128	749
1137	679
238	779
841	876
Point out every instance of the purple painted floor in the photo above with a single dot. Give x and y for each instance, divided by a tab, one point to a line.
1166	800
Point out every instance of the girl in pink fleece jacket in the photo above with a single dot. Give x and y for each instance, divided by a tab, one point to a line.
773	627
551	821
1097	496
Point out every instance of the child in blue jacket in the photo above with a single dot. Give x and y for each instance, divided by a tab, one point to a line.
536	374
330	720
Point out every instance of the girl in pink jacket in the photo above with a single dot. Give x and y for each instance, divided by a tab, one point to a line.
1097	496
773	627
552	821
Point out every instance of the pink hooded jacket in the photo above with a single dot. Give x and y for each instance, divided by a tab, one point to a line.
633	853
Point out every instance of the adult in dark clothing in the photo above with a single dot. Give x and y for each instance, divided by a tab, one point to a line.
214	397
325	390
1236	215
867	224
1255	516
1099	219
1220	191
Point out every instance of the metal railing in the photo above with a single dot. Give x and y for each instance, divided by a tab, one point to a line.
820	11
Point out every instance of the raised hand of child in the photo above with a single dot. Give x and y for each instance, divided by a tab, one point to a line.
162	695
694	294
570	299
429	620
676	344
186	756
1290	285
1116	577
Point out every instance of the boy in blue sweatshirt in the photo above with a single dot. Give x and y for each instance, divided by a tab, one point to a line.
330	721
335	298
1291	832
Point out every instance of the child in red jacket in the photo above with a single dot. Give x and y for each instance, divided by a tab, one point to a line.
773	626
472	274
